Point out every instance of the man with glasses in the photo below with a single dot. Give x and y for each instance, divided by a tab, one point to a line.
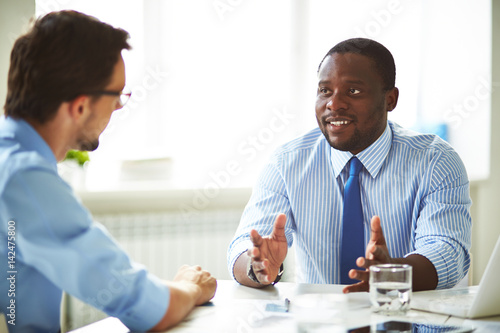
66	78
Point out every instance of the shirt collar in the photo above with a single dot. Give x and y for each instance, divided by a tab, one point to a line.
372	157
27	136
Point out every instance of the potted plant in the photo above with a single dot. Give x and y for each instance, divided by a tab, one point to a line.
72	168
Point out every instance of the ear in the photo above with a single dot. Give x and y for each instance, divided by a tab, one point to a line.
79	107
391	98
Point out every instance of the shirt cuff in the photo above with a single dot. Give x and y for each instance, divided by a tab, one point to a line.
235	252
151	305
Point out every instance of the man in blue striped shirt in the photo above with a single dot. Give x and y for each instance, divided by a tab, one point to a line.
414	187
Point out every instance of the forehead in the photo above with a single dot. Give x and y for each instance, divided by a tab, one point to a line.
349	66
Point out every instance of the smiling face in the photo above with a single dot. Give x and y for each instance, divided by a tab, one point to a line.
351	102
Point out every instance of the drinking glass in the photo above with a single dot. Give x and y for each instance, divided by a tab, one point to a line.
390	288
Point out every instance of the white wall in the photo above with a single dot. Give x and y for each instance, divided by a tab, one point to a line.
14	15
486	226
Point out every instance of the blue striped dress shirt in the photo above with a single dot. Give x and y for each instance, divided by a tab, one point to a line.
416	183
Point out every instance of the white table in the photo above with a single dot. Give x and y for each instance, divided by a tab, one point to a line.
236	308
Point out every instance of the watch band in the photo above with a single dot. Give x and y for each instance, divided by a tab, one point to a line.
253	277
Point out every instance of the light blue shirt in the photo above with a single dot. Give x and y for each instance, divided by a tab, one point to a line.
58	247
416	183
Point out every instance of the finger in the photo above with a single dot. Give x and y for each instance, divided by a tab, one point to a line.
369	250
375	255
254	253
377	235
255	237
359	275
360	262
262	277
369	262
259	266
279	227
260	269
360	286
379	254
197	268
214	283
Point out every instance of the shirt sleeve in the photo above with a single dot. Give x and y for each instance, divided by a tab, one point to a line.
443	232
57	236
269	198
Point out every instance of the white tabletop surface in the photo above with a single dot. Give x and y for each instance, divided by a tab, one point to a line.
236	308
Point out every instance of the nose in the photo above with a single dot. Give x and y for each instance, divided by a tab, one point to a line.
336	102
118	104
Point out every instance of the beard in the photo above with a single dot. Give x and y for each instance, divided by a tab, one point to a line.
88	136
88	145
88	141
352	144
360	139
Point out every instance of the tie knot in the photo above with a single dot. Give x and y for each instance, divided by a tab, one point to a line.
355	167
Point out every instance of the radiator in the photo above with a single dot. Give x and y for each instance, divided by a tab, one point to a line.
163	242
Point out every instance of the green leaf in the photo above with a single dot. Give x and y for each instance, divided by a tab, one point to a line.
81	157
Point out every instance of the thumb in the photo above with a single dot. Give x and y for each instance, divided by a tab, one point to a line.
377	234
279	227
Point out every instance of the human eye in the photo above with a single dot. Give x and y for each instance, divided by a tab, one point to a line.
323	90
354	91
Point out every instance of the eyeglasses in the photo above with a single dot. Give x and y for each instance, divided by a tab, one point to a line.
123	96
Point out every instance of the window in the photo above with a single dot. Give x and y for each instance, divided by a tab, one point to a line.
218	85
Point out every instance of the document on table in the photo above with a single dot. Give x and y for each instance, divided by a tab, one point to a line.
241	315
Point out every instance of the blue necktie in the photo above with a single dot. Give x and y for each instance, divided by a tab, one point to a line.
353	243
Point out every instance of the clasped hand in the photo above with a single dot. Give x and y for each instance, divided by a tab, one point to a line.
205	283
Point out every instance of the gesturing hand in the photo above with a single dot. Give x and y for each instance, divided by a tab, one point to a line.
376	253
268	253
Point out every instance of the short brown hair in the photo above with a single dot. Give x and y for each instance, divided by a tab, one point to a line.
65	54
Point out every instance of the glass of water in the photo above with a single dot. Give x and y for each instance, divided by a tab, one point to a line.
390	288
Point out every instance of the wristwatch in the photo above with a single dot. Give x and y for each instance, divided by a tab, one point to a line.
253	277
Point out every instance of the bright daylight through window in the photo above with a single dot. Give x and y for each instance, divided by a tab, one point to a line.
218	85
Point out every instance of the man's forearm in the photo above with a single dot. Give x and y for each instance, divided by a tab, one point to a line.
240	272
424	273
183	296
